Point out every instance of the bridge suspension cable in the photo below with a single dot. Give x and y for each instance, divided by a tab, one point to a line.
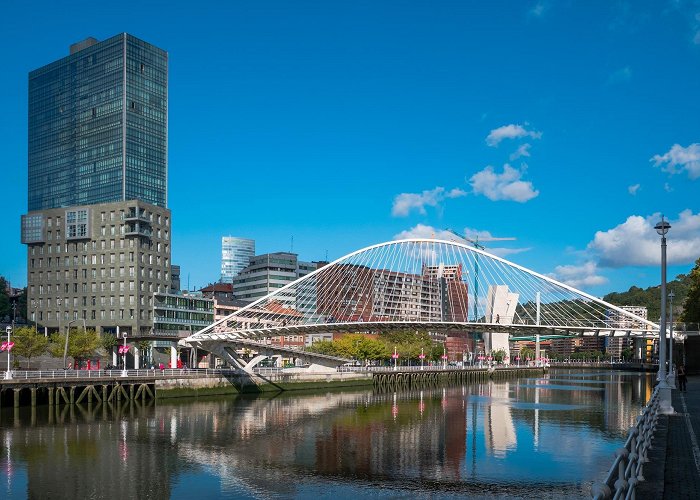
424	282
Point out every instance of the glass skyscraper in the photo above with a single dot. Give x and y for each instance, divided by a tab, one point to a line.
98	230
98	125
235	256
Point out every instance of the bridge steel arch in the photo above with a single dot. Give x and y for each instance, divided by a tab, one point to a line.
429	284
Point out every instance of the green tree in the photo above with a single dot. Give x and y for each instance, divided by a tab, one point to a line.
499	355
22	305
29	343
436	351
691	306
324	347
361	348
5	305
527	353
81	343
108	342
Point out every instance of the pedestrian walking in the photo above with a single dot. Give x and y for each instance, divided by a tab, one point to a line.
682	378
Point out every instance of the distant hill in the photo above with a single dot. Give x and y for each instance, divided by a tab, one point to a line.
651	297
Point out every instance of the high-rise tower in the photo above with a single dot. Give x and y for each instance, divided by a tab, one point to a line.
235	256
98	228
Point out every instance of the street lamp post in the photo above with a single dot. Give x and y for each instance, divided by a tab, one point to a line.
671	370
8	347
664	389
65	347
124	373
36	317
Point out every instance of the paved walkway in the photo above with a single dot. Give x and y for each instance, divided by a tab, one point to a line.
676	450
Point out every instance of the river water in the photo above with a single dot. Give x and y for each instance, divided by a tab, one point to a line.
548	437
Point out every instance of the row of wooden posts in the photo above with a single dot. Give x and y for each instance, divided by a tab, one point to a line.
56	393
392	381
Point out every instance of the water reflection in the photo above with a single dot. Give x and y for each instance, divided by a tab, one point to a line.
544	437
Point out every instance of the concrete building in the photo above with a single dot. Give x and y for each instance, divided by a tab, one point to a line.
615	345
97	265
269	272
349	292
235	256
98	229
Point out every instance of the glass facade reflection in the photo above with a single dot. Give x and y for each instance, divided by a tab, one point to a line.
98	126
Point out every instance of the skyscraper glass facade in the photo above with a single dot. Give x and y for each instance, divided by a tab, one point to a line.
98	126
235	256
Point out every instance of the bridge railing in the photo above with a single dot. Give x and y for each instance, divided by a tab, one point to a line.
419	368
23	375
626	471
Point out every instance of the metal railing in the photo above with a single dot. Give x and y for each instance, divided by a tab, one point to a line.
626	471
434	368
22	375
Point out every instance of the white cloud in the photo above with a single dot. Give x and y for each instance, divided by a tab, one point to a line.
539	9
679	159
633	189
579	276
523	150
425	231
636	243
511	131
504	186
404	203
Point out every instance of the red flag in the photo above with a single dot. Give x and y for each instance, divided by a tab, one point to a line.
3	346
10	346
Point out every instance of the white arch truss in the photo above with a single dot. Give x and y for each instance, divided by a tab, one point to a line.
429	284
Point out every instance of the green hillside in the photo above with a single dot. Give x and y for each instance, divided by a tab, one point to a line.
651	297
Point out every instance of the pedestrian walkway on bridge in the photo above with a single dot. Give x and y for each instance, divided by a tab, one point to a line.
673	471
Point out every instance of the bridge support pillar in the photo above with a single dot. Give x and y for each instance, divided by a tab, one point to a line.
137	358
538	354
173	357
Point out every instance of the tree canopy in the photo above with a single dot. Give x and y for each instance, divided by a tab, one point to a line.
81	343
651	297
29	343
408	345
691	304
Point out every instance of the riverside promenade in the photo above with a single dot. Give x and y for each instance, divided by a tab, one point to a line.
673	471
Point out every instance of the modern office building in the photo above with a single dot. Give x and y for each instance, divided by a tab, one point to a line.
182	314
98	229
235	256
269	272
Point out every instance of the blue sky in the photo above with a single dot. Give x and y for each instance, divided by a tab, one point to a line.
567	125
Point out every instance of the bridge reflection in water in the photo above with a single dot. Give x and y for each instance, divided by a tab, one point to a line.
546	437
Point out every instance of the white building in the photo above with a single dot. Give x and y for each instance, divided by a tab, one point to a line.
500	308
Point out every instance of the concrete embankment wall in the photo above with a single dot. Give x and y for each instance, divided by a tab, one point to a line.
244	383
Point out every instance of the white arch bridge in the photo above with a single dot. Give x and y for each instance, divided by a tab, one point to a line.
415	284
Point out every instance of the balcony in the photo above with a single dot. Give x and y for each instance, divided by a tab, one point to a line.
136	216
138	230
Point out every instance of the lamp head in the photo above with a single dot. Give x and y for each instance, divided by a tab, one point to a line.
662	227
